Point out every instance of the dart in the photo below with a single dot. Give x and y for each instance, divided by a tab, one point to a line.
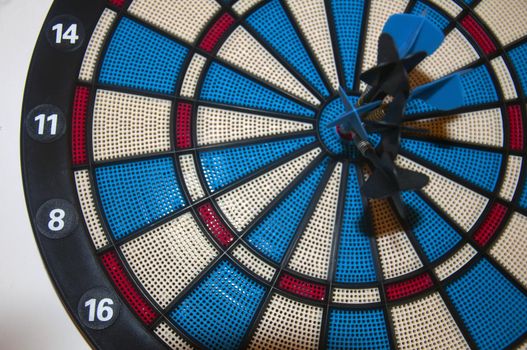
388	181
406	40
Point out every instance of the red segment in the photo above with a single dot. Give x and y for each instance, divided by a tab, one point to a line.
479	34
215	225
215	33
348	136
515	128
302	288
490	225
117	3
125	285
183	134
78	127
412	286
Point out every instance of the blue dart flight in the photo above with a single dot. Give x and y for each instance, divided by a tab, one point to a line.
413	34
444	94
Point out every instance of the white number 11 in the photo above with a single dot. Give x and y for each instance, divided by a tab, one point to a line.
41	119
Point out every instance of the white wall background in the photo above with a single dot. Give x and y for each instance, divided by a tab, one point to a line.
31	315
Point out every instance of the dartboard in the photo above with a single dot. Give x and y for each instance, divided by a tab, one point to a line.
186	192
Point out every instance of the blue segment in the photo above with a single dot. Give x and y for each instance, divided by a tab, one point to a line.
355	262
273	235
218	312
223	85
137	194
225	166
347	16
518	57
272	23
357	329
482	168
434	234
432	15
478	86
492	308
523	197
139	58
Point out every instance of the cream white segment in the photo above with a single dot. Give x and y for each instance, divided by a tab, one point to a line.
511	246
483	128
311	17
505	78
243	204
455	53
449	6
253	262
426	324
455	262
173	340
190	176
127	125
242	6
184	19
244	52
398	256
505	19
288	325
380	11
169	257
190	82
94	49
511	177
216	125
356	296
461	204
312	253
89	211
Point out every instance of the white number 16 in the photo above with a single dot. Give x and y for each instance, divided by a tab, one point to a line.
103	310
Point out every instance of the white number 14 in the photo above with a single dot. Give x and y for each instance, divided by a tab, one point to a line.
70	33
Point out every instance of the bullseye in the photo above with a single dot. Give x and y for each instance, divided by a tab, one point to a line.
335	139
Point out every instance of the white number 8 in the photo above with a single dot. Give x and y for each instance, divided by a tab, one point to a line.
56	222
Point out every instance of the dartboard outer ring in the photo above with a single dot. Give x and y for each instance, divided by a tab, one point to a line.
105	294
50	177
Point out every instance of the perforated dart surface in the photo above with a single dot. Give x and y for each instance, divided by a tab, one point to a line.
220	212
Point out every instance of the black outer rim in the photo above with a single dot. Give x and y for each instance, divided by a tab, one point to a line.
71	262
